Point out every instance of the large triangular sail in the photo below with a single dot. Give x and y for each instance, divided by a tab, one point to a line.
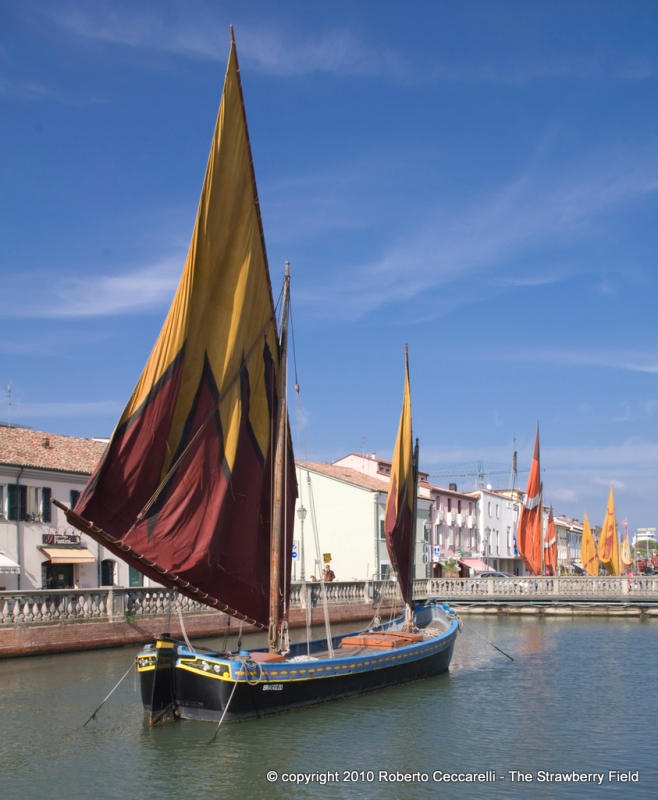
529	532
608	540
184	491
400	520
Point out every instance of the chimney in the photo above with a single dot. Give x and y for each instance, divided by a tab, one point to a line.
452	487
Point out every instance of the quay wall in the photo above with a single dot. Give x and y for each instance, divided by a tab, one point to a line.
69	636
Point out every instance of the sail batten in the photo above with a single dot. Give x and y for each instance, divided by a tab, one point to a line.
184	491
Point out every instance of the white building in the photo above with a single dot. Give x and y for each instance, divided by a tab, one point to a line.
569	533
37	546
498	518
349	507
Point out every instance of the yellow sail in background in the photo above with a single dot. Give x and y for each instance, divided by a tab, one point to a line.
625	549
608	541
588	554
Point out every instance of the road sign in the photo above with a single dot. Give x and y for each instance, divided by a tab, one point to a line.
295	550
327	557
436	553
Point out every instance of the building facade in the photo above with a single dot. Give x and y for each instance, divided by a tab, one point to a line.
43	550
348	507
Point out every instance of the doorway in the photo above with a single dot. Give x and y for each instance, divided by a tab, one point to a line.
57	576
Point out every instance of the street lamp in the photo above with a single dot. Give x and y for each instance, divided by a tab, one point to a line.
301	513
487	535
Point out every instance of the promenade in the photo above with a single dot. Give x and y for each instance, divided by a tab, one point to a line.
47	621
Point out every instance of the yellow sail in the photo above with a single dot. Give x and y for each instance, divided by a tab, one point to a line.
625	550
608	542
588	554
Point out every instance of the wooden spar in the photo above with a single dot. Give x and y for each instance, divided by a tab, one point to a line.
409	608
279	495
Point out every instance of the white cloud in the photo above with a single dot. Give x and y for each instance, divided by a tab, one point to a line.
141	290
512	226
29	411
203	33
629	360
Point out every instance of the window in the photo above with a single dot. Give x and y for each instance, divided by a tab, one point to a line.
382	532
459	506
439	535
497	511
75	494
384	571
509	539
3	510
470	508
108	572
135	577
449	504
28	503
489	508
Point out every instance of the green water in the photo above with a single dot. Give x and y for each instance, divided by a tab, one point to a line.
580	695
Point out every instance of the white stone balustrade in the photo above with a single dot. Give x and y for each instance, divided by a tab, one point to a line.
113	604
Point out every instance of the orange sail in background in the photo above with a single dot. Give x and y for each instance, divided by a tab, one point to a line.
608	542
550	546
529	533
588	554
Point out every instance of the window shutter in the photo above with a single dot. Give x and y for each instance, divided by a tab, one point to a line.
22	502
12	501
75	494
46	513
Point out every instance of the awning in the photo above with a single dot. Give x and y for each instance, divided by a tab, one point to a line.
476	564
68	555
8	566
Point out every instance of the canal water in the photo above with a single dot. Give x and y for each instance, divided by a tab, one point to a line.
580	696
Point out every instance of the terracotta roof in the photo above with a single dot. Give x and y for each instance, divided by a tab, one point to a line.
25	447
348	475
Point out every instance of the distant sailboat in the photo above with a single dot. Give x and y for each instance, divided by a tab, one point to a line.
588	555
608	541
550	546
529	532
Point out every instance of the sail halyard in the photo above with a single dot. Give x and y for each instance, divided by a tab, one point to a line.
184	491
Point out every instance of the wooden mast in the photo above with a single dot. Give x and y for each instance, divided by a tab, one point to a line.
279	494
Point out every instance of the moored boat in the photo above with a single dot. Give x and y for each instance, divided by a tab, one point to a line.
197	486
178	682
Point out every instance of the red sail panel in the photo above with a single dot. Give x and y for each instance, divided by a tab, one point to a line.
550	546
529	532
183	492
399	522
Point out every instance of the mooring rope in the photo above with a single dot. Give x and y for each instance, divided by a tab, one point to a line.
125	675
461	622
219	724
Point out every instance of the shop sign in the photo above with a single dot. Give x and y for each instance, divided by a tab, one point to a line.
61	538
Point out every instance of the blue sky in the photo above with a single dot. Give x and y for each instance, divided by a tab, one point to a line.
477	179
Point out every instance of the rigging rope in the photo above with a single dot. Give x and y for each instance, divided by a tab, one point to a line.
302	434
182	625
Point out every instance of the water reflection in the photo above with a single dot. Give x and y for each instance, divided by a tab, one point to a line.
565	703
